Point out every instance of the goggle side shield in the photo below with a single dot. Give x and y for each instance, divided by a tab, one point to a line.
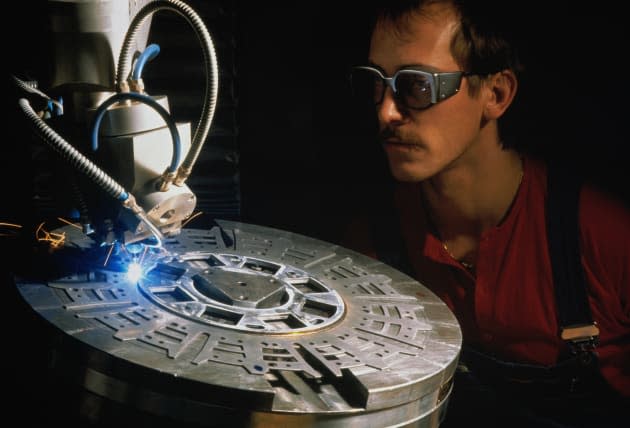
414	89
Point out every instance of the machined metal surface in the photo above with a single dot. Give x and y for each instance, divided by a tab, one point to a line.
87	35
254	326
128	118
137	161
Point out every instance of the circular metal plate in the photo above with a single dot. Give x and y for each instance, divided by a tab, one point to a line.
243	293
253	325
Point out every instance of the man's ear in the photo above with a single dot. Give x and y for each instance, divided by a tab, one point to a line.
502	86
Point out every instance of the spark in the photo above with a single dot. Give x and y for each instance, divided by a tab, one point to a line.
10	225
17	226
144	253
191	218
67	222
109	253
55	239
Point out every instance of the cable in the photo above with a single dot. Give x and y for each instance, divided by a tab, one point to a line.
147	55
33	90
72	155
87	167
211	71
102	109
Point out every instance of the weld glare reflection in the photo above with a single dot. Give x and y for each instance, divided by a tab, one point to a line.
134	272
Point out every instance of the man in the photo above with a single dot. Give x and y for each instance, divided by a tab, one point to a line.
473	221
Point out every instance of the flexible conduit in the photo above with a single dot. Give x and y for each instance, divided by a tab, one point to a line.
72	155
33	90
210	66
87	167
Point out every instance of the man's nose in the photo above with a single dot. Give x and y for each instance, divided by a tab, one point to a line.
388	110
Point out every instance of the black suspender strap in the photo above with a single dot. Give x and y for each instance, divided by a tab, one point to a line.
574	314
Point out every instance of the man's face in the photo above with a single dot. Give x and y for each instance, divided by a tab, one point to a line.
422	143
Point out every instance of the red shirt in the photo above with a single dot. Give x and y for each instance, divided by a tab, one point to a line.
508	307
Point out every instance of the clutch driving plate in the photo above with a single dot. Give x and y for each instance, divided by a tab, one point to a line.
243	325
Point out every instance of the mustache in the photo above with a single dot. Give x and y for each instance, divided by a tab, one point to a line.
388	133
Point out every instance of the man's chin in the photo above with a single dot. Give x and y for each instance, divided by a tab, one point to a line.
407	168
406	175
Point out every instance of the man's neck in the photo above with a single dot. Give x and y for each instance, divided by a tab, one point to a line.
474	194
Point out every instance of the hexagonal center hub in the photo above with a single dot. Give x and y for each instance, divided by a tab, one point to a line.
238	288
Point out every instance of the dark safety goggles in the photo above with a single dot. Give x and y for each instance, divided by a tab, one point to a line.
412	88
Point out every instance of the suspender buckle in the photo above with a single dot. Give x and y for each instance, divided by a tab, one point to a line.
581	338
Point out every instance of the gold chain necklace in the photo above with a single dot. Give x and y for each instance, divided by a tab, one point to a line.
465	264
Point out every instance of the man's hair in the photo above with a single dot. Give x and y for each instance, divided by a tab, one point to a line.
483	42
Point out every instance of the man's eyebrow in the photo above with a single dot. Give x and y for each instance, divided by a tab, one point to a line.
378	67
415	66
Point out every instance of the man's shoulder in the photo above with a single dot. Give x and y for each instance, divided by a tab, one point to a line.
599	207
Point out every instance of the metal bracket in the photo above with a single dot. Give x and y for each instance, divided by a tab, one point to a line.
581	338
